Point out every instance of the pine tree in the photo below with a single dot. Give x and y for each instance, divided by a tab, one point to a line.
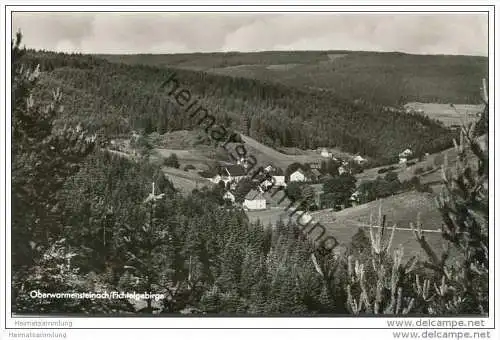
43	157
464	207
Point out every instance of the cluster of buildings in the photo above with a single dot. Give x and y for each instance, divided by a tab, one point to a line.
325	153
231	175
404	156
254	200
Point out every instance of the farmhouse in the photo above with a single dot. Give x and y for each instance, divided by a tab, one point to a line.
403	156
233	173
254	200
298	176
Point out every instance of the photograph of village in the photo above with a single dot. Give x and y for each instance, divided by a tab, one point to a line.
249	164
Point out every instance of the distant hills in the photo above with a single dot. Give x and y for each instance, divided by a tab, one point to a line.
289	99
386	78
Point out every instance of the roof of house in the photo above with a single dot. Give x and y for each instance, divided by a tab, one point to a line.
228	193
300	171
234	170
406	153
327	176
254	195
316	172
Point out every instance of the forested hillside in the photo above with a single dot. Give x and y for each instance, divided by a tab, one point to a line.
387	78
116	98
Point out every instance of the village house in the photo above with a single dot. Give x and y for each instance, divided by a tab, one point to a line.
343	169
216	179
269	168
273	182
279	181
358	159
354	199
403	156
254	200
229	196
243	162
298	176
266	185
325	153
233	173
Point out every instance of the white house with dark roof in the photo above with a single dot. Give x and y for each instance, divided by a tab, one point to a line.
298	176
403	156
233	173
254	200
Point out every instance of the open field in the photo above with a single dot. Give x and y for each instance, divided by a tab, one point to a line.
196	157
180	139
270	216
448	114
182	143
266	155
314	153
185	181
428	176
399	209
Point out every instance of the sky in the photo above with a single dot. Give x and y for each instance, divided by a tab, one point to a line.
120	33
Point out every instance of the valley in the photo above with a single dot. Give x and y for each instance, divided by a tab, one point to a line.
277	182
